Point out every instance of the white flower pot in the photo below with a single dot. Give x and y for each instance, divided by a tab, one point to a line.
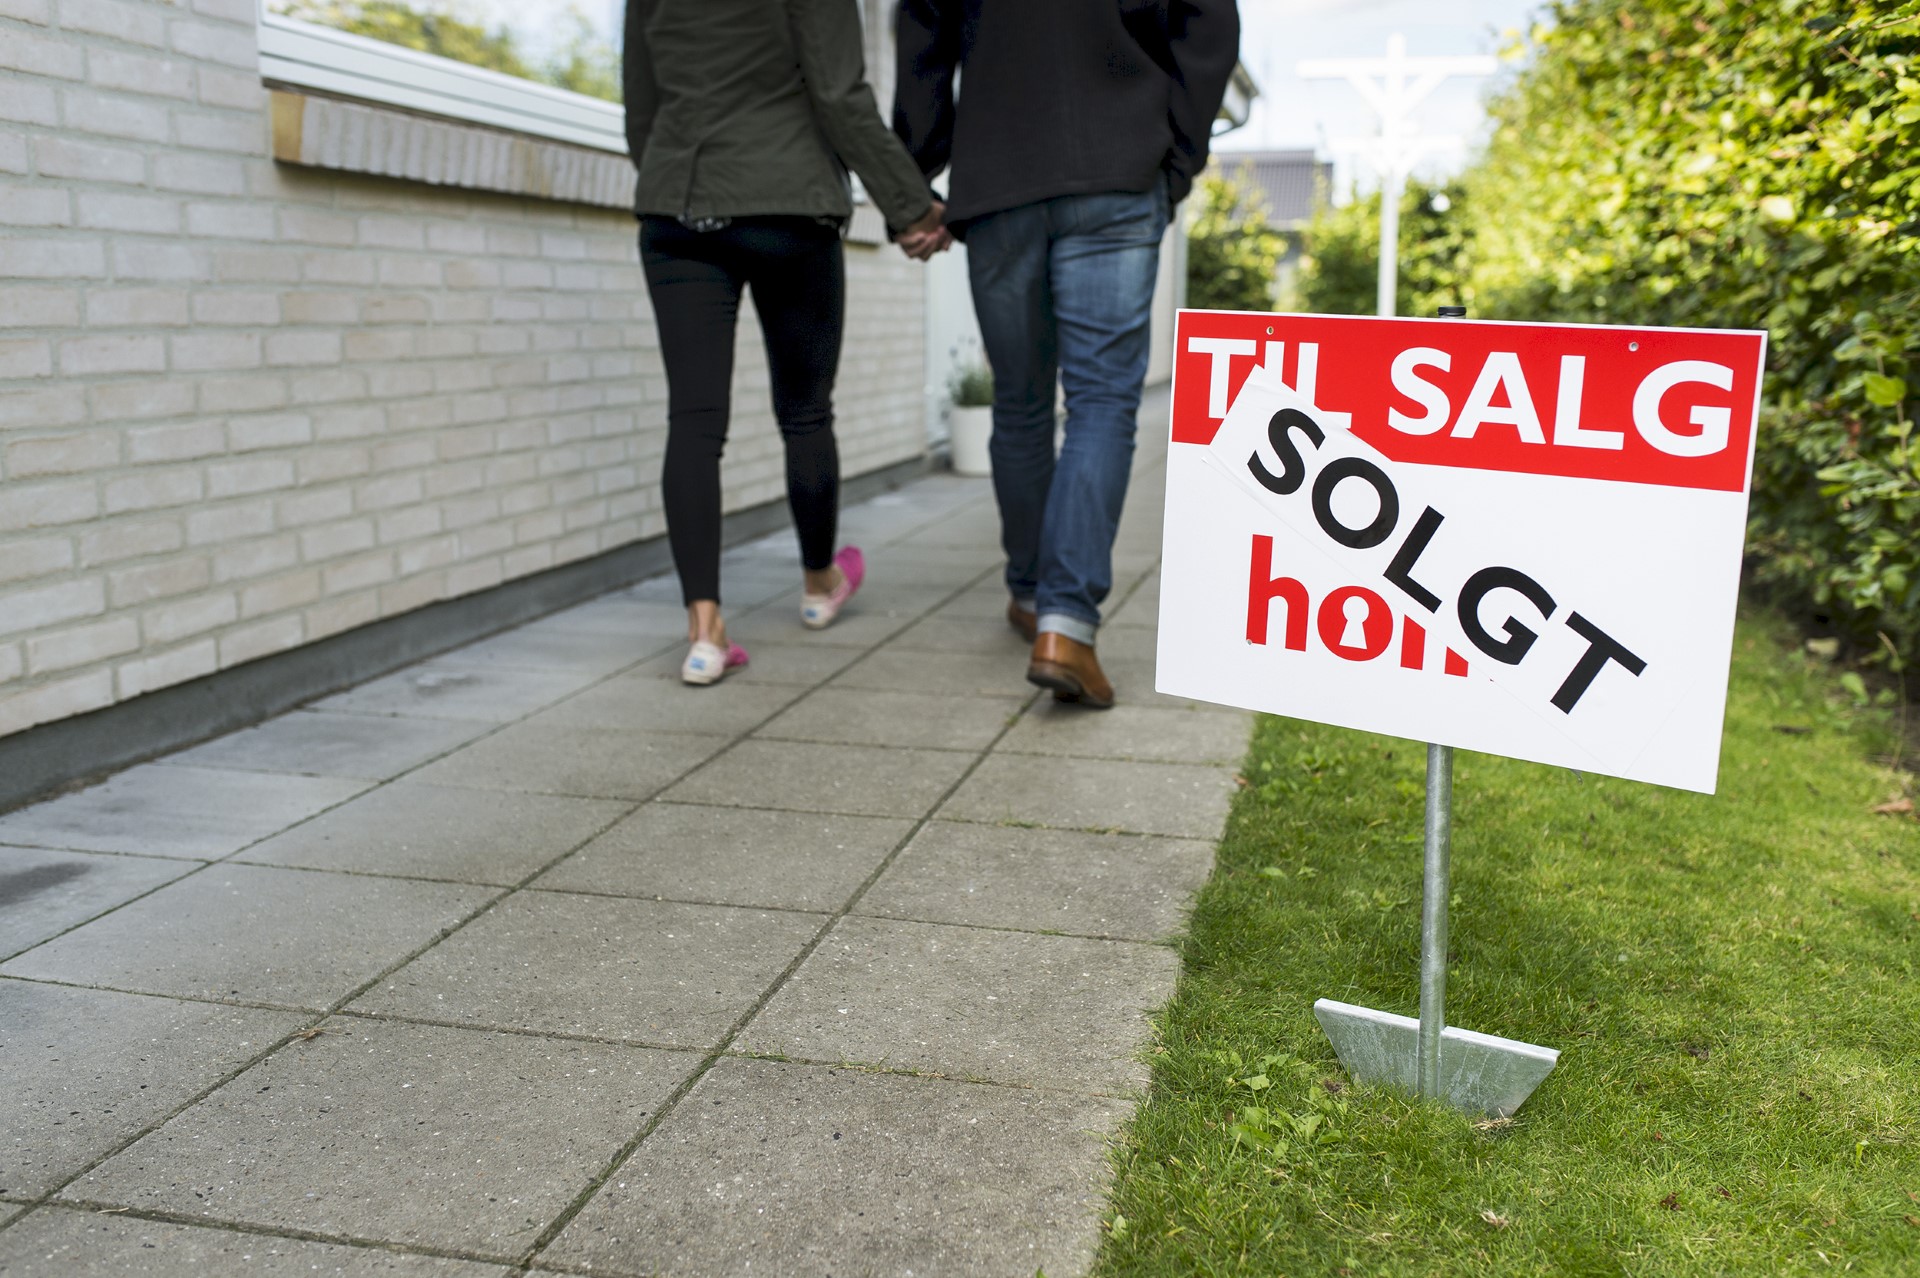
968	430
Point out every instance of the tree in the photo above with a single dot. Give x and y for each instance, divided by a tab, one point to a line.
587	63
1341	273
1232	250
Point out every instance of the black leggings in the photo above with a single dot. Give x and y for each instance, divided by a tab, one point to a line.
794	266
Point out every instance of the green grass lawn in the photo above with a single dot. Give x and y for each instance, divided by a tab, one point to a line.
1730	979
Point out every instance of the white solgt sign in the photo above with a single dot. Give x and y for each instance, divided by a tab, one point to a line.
1520	539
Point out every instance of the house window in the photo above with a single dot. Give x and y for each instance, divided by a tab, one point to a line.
546	67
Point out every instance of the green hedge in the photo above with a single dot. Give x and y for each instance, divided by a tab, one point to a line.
1737	164
1734	164
1232	250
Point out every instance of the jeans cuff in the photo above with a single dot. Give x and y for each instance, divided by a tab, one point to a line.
1026	603
1059	623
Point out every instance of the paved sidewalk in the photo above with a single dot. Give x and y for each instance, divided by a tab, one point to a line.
529	957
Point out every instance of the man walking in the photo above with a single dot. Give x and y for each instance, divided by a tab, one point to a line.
1079	125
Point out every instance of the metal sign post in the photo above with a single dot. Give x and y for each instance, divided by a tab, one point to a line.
1433	914
1478	1073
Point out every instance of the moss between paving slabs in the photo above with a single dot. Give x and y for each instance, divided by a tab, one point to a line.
1730	979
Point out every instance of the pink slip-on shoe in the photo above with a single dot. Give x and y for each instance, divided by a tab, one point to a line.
708	663
818	611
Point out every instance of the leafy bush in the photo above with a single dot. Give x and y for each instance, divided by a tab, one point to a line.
1341	273
1749	164
1232	250
1341	259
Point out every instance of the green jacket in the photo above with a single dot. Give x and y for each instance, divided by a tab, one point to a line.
743	107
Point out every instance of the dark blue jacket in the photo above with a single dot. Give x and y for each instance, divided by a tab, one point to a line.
1061	97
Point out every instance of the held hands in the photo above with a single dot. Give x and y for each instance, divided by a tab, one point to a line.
927	236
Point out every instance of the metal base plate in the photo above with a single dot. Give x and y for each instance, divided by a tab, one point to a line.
1479	1073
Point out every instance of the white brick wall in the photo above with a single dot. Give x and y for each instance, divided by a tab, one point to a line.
244	405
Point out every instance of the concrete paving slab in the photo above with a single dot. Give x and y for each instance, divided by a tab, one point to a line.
798	664
863	623
61	1241
656	972
254	933
795	1172
415	830
1149	589
1141	610
409	1134
8	1214
772	550
640	703
941	632
741	586
43	892
161	810
982	554
974	525
858	780
731	856
952	674
747	583
649	623
592	652
664	589
1133	558
623	937
1136	558
930	497
871	527
1129	645
86	1070
588	762
1009	1007
909	586
448	690
986	601
1128	656
1135	688
1153	733
942	569
318	743
1124	886
1095	794
862	716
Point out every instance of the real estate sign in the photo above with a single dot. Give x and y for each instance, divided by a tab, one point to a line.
1523	539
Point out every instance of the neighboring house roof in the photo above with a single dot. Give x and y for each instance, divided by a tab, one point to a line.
1295	184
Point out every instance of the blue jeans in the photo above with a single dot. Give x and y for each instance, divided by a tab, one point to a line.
1065	286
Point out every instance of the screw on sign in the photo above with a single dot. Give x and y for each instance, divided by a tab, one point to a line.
1518	538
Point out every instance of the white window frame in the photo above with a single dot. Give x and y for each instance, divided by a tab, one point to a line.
304	55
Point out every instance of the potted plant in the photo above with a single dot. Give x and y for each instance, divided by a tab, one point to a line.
970	419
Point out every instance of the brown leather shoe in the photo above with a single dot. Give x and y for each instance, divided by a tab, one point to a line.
1070	669
1027	623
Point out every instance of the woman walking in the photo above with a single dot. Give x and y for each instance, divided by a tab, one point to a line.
743	117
